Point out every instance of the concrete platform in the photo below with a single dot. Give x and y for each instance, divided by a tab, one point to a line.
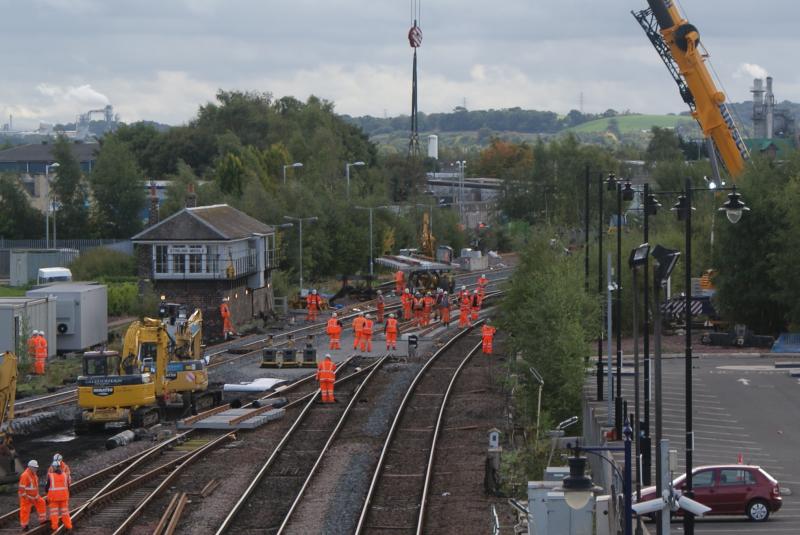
235	419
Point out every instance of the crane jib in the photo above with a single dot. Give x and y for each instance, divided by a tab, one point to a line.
661	11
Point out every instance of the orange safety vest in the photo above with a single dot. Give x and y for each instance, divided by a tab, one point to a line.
41	347
488	331
398	277
332	326
427	303
313	301
64	470
33	344
483	281
366	328
358	324
326	371
28	484
58	489
391	325
224	310
406	299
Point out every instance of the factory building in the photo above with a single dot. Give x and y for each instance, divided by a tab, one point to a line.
202	255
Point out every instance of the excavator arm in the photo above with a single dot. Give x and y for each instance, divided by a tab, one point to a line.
10	466
677	42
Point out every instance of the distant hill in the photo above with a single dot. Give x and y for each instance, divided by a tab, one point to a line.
633	123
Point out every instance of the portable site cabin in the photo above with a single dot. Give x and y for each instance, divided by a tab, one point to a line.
81	313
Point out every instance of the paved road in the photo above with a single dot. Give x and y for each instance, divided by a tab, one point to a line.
742	406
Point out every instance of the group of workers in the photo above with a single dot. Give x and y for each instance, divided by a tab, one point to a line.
56	493
37	350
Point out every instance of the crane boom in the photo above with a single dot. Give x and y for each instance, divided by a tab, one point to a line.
677	43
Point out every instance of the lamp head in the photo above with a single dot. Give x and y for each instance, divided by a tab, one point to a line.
611	182
577	486
734	207
651	204
666	260
628	192
639	255
680	207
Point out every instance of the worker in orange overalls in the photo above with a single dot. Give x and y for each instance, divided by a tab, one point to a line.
475	305
419	308
58	497
366	334
427	307
59	460
32	341
313	304
29	496
381	306
487	335
334	330
358	325
444	309
462	293
399	282
464	305
326	375
41	353
408	301
482	282
227	324
390	330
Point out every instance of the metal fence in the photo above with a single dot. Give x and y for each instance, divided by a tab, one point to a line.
6	246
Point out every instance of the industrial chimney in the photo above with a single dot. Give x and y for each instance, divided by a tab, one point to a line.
152	212
770	105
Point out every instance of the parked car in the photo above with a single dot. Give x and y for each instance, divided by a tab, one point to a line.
731	489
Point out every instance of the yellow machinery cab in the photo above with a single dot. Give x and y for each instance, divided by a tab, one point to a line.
108	392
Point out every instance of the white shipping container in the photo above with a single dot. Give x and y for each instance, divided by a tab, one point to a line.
20	316
81	313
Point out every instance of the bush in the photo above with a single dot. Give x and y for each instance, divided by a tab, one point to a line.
100	263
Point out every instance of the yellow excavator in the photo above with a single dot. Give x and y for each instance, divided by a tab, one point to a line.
678	43
161	366
10	466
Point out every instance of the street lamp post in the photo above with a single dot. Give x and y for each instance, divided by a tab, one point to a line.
600	232
49	206
300	226
347	167
295	165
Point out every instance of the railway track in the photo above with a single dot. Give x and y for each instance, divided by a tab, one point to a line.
395	500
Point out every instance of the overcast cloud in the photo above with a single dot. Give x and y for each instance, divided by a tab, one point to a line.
160	60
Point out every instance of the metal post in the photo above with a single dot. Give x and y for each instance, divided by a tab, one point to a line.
628	483
55	229
47	223
609	368
600	228
662	524
688	519
371	273
347	174
618	318
586	231
284	175
645	438
301	254
659	443
636	426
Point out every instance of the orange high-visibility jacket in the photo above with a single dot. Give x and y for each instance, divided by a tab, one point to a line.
28	484
33	343
64	470
57	487
407	299
41	347
358	324
225	310
391	326
333	326
487	331
366	328
398	277
326	371
427	303
313	301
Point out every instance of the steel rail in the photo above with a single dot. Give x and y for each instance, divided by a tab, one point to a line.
328	443
437	429
395	423
312	398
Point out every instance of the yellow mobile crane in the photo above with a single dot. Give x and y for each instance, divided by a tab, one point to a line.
678	44
161	365
10	467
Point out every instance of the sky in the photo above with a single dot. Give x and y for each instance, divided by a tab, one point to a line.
162	59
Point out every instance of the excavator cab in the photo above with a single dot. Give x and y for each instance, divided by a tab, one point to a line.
10	465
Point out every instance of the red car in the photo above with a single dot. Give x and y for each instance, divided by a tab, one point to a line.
731	489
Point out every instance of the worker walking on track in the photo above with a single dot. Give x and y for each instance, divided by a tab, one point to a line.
366	334
227	324
464	305
487	336
444	309
59	460
381	306
427	307
482	283
58	497
29	496
462	293
399	282
358	325
408	301
334	330
40	355
475	305
313	305
390	330
326	375
419	309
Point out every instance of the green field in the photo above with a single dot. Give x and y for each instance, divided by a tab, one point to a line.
7	291
633	123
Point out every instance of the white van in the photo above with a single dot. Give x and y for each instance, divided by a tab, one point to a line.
53	274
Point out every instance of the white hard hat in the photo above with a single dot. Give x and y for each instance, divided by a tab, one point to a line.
313	292
408	291
33	463
327	355
334	315
391	315
463	287
474	291
56	464
380	292
57	458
